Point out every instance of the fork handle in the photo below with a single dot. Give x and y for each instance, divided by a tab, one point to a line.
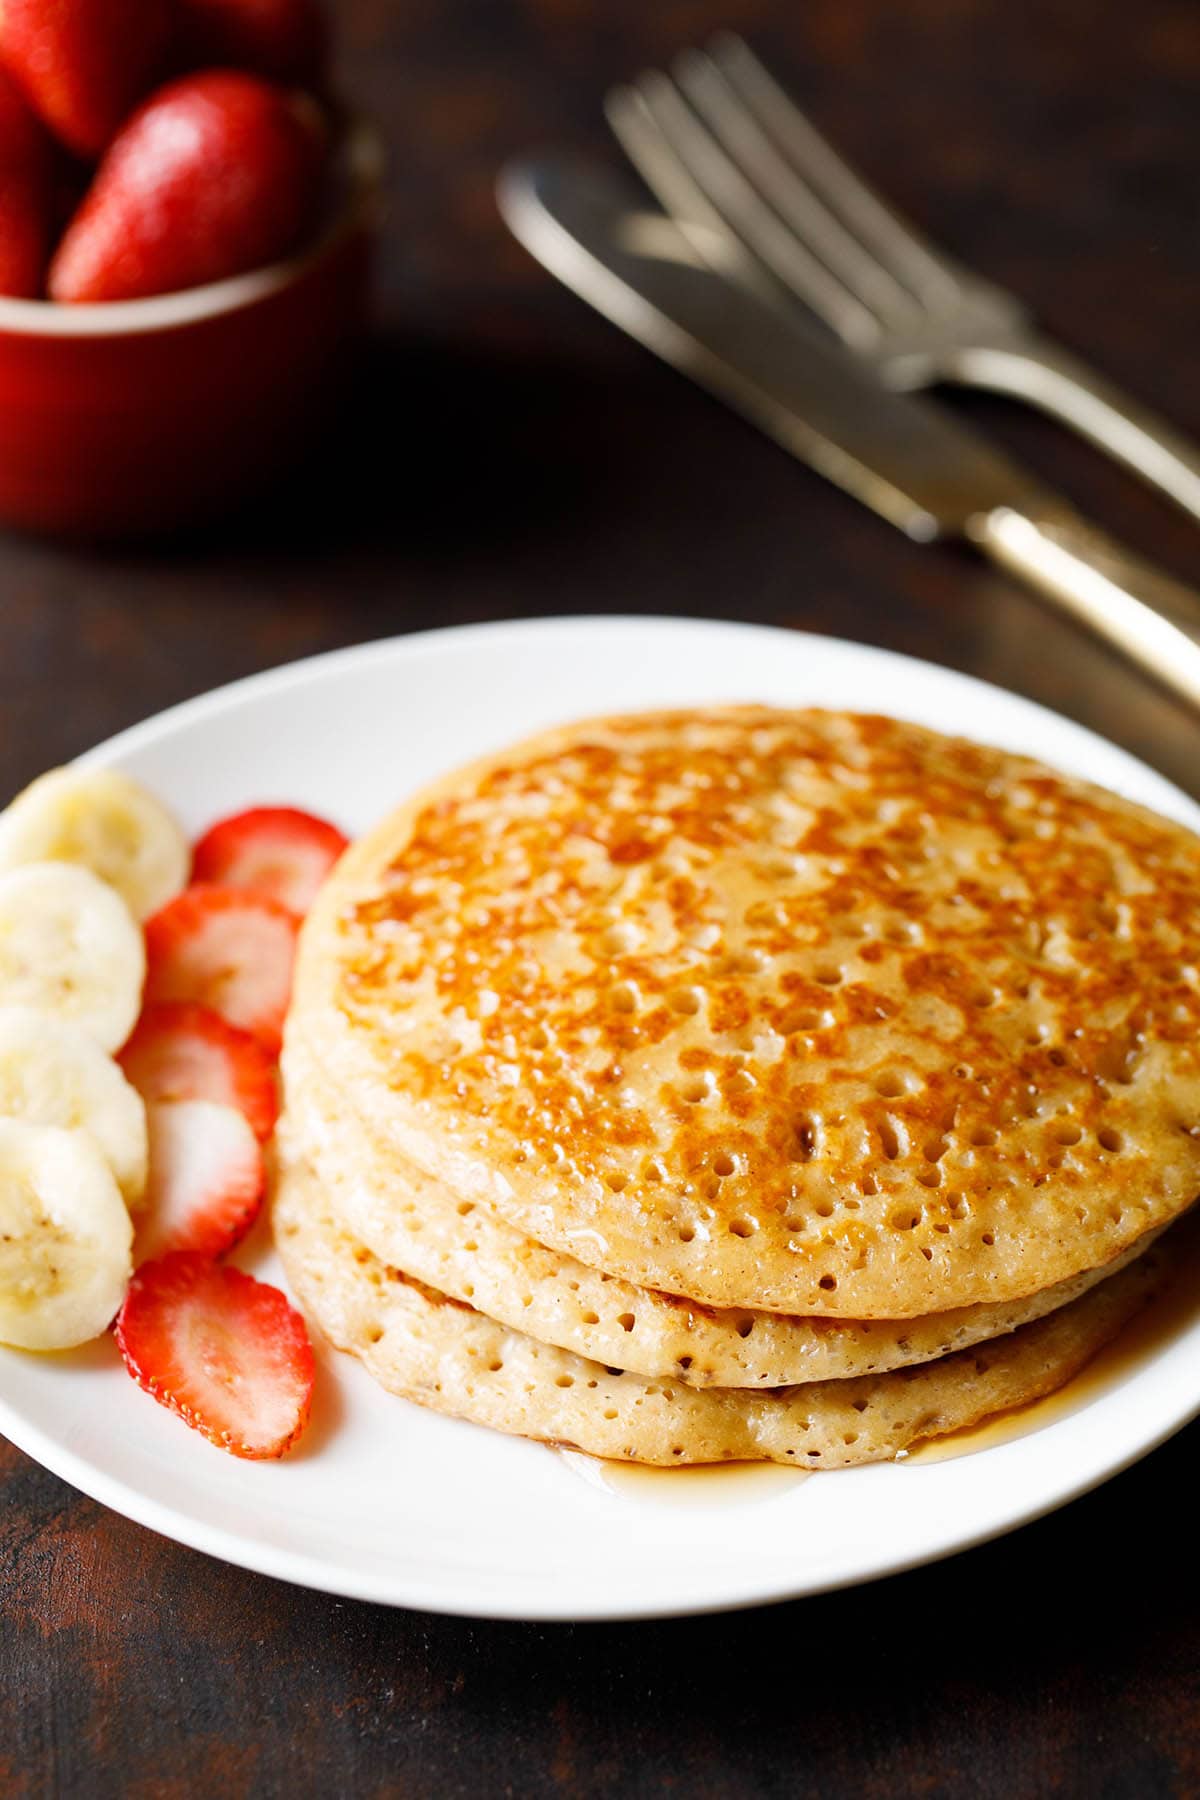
1050	377
1125	600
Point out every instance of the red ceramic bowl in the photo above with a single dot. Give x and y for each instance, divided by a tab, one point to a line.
147	414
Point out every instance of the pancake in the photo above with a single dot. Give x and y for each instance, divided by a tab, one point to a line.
808	1012
414	1223
427	1348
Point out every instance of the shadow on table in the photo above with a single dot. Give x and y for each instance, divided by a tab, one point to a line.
441	445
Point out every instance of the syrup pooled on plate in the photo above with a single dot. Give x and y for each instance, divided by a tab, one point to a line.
1171	1311
702	1486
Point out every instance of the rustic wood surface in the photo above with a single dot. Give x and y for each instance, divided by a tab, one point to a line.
505	452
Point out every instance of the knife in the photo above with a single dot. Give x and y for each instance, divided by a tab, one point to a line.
907	458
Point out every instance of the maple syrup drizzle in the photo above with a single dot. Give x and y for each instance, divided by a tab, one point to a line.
1170	1311
701	1486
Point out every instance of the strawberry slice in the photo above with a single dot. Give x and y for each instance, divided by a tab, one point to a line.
273	850
230	950
223	1351
206	1179
180	1051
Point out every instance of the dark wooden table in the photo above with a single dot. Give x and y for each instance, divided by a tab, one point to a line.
506	452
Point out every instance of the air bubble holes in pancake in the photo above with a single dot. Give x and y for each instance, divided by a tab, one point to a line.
686	1000
807	1138
734	964
892	1084
1118	1055
803	1020
905	1217
893	1138
904	932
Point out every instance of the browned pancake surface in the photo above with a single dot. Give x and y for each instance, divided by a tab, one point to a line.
803	1010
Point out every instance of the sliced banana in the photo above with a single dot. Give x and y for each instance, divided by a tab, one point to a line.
65	1238
108	823
52	1073
69	946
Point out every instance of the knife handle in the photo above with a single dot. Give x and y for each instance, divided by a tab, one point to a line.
1129	602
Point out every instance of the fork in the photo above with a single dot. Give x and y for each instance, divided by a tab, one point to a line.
748	178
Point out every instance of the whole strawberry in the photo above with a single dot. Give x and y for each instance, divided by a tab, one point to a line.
216	174
26	194
84	63
285	40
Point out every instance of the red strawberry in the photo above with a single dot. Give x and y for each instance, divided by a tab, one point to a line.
84	63
26	194
225	1352
185	1052
216	174
273	850
285	40
229	950
206	1179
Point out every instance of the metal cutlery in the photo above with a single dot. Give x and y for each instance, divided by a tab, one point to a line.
737	164
904	456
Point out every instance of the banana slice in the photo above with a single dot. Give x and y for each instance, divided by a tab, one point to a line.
69	946
104	821
52	1073
65	1238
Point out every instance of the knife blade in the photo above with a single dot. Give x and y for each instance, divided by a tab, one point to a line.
907	458
903	457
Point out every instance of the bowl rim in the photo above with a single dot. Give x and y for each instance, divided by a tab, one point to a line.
360	154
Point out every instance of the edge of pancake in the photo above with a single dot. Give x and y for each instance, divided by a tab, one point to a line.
440	1353
414	1223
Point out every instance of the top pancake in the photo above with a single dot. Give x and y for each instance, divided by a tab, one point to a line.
806	1011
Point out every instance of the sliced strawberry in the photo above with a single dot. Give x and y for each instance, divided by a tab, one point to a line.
180	1051
225	1352
227	949
215	174
84	63
285	40
273	850
206	1179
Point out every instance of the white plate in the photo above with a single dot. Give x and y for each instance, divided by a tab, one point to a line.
386	1502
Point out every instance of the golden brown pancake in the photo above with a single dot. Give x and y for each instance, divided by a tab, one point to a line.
798	1011
414	1223
419	1344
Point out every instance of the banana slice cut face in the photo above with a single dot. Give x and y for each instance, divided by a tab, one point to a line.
53	1073
104	821
69	946
65	1238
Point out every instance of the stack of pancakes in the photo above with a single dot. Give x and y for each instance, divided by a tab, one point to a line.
742	1083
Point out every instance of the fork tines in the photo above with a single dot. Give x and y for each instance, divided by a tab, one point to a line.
724	149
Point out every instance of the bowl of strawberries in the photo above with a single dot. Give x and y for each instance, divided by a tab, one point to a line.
186	218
